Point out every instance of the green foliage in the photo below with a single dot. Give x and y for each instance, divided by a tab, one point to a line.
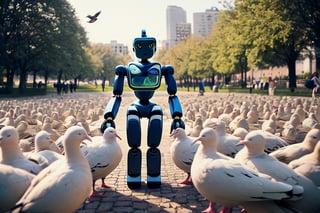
104	61
227	48
256	34
188	58
45	38
40	36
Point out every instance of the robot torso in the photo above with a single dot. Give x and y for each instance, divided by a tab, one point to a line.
144	78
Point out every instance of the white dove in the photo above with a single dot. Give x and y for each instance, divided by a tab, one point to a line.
104	155
182	152
65	184
221	179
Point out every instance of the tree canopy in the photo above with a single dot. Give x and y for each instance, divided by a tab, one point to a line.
45	38
35	35
104	61
254	34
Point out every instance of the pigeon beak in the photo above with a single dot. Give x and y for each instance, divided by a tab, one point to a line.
196	140
172	134
214	126
242	142
118	136
89	138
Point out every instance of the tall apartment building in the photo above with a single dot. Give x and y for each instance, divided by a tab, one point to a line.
177	27
203	21
119	48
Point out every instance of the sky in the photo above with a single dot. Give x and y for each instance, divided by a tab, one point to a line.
123	20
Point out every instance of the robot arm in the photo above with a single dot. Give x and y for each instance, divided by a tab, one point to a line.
113	105
176	113
167	72
174	103
112	108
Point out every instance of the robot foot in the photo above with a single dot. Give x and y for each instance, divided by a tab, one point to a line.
134	182
134	185
154	182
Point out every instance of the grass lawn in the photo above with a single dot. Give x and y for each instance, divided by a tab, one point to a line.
304	92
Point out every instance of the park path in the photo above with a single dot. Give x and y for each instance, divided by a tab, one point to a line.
170	197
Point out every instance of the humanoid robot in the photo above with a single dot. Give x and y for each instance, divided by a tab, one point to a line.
144	77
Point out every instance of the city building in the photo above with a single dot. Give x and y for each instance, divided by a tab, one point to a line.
203	21
177	27
119	48
183	30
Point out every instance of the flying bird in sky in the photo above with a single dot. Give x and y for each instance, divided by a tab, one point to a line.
94	17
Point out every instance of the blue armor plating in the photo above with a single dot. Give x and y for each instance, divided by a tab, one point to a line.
144	77
112	108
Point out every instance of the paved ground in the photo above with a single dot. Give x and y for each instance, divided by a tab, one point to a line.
170	197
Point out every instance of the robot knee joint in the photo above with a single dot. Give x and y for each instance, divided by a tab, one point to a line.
133	111
156	110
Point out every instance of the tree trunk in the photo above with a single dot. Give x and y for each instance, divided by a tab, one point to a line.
292	74
212	80
34	80
242	79
10	75
46	74
60	76
245	79
188	83
23	80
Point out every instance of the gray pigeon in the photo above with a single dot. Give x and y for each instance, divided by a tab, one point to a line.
93	18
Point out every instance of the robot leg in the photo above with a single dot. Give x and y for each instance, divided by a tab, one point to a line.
134	154
153	153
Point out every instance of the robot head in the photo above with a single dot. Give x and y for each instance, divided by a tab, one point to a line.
144	47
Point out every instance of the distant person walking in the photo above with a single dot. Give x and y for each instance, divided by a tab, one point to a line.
316	81
201	88
271	86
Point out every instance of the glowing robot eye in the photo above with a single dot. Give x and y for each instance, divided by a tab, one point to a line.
150	45
138	45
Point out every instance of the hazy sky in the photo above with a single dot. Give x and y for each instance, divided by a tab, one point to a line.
122	20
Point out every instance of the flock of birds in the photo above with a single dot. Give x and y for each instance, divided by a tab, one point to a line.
239	151
251	152
53	169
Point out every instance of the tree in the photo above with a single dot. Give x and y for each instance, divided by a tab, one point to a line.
276	33
35	33
228	48
106	61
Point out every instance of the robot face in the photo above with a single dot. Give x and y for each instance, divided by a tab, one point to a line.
144	47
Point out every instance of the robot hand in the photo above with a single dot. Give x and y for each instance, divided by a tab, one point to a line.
177	122
107	123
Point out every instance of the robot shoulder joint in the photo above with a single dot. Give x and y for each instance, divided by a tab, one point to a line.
167	70
121	70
